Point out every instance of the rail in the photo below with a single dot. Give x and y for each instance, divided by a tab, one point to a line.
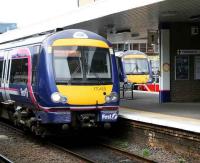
83	158
128	154
3	159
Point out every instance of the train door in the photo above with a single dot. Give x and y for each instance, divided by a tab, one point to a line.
18	78
5	78
1	75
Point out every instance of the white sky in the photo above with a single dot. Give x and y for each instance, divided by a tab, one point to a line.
27	12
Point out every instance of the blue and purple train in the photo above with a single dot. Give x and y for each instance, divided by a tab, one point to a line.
61	80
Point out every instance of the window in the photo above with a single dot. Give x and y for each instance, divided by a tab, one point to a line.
19	71
136	46
182	67
115	47
136	66
74	64
35	61
120	47
1	69
143	47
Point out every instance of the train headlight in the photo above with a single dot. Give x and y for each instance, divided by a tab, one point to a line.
125	80
57	97
108	99
113	97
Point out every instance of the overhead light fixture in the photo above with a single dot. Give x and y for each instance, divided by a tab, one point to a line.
123	30
168	13
195	18
136	34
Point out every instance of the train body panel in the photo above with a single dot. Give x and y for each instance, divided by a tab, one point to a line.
61	78
138	79
88	95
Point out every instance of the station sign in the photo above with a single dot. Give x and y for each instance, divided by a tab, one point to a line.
152	37
188	51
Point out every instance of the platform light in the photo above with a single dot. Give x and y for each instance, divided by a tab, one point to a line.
169	13
195	18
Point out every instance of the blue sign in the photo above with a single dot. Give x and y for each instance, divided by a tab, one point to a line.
108	116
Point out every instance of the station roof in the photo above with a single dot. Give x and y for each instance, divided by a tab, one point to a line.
139	20
135	16
83	14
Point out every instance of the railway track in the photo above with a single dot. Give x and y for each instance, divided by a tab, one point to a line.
83	158
128	154
3	159
87	153
8	125
97	151
21	132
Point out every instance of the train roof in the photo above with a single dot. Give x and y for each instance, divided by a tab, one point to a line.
128	52
69	33
23	42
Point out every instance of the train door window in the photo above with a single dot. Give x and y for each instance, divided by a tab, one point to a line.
35	61
1	69
19	71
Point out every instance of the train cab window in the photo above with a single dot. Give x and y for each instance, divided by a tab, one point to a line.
67	63
75	64
1	69
98	64
19	71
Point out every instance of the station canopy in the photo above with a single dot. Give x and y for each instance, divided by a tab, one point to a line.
111	16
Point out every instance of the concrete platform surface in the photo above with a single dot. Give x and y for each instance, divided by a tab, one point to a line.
145	107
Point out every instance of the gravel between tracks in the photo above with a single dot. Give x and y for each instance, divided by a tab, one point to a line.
22	149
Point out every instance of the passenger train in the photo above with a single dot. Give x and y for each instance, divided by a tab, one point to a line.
65	79
134	66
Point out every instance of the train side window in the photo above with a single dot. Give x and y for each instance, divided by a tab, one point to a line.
19	71
1	69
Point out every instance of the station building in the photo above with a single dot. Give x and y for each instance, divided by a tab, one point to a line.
167	28
175	28
170	29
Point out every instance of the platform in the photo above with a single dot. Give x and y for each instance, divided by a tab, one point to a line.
145	107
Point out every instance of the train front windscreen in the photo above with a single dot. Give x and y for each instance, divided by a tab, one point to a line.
82	65
136	66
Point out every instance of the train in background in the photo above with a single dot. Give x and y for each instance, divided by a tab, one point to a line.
61	80
134	67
